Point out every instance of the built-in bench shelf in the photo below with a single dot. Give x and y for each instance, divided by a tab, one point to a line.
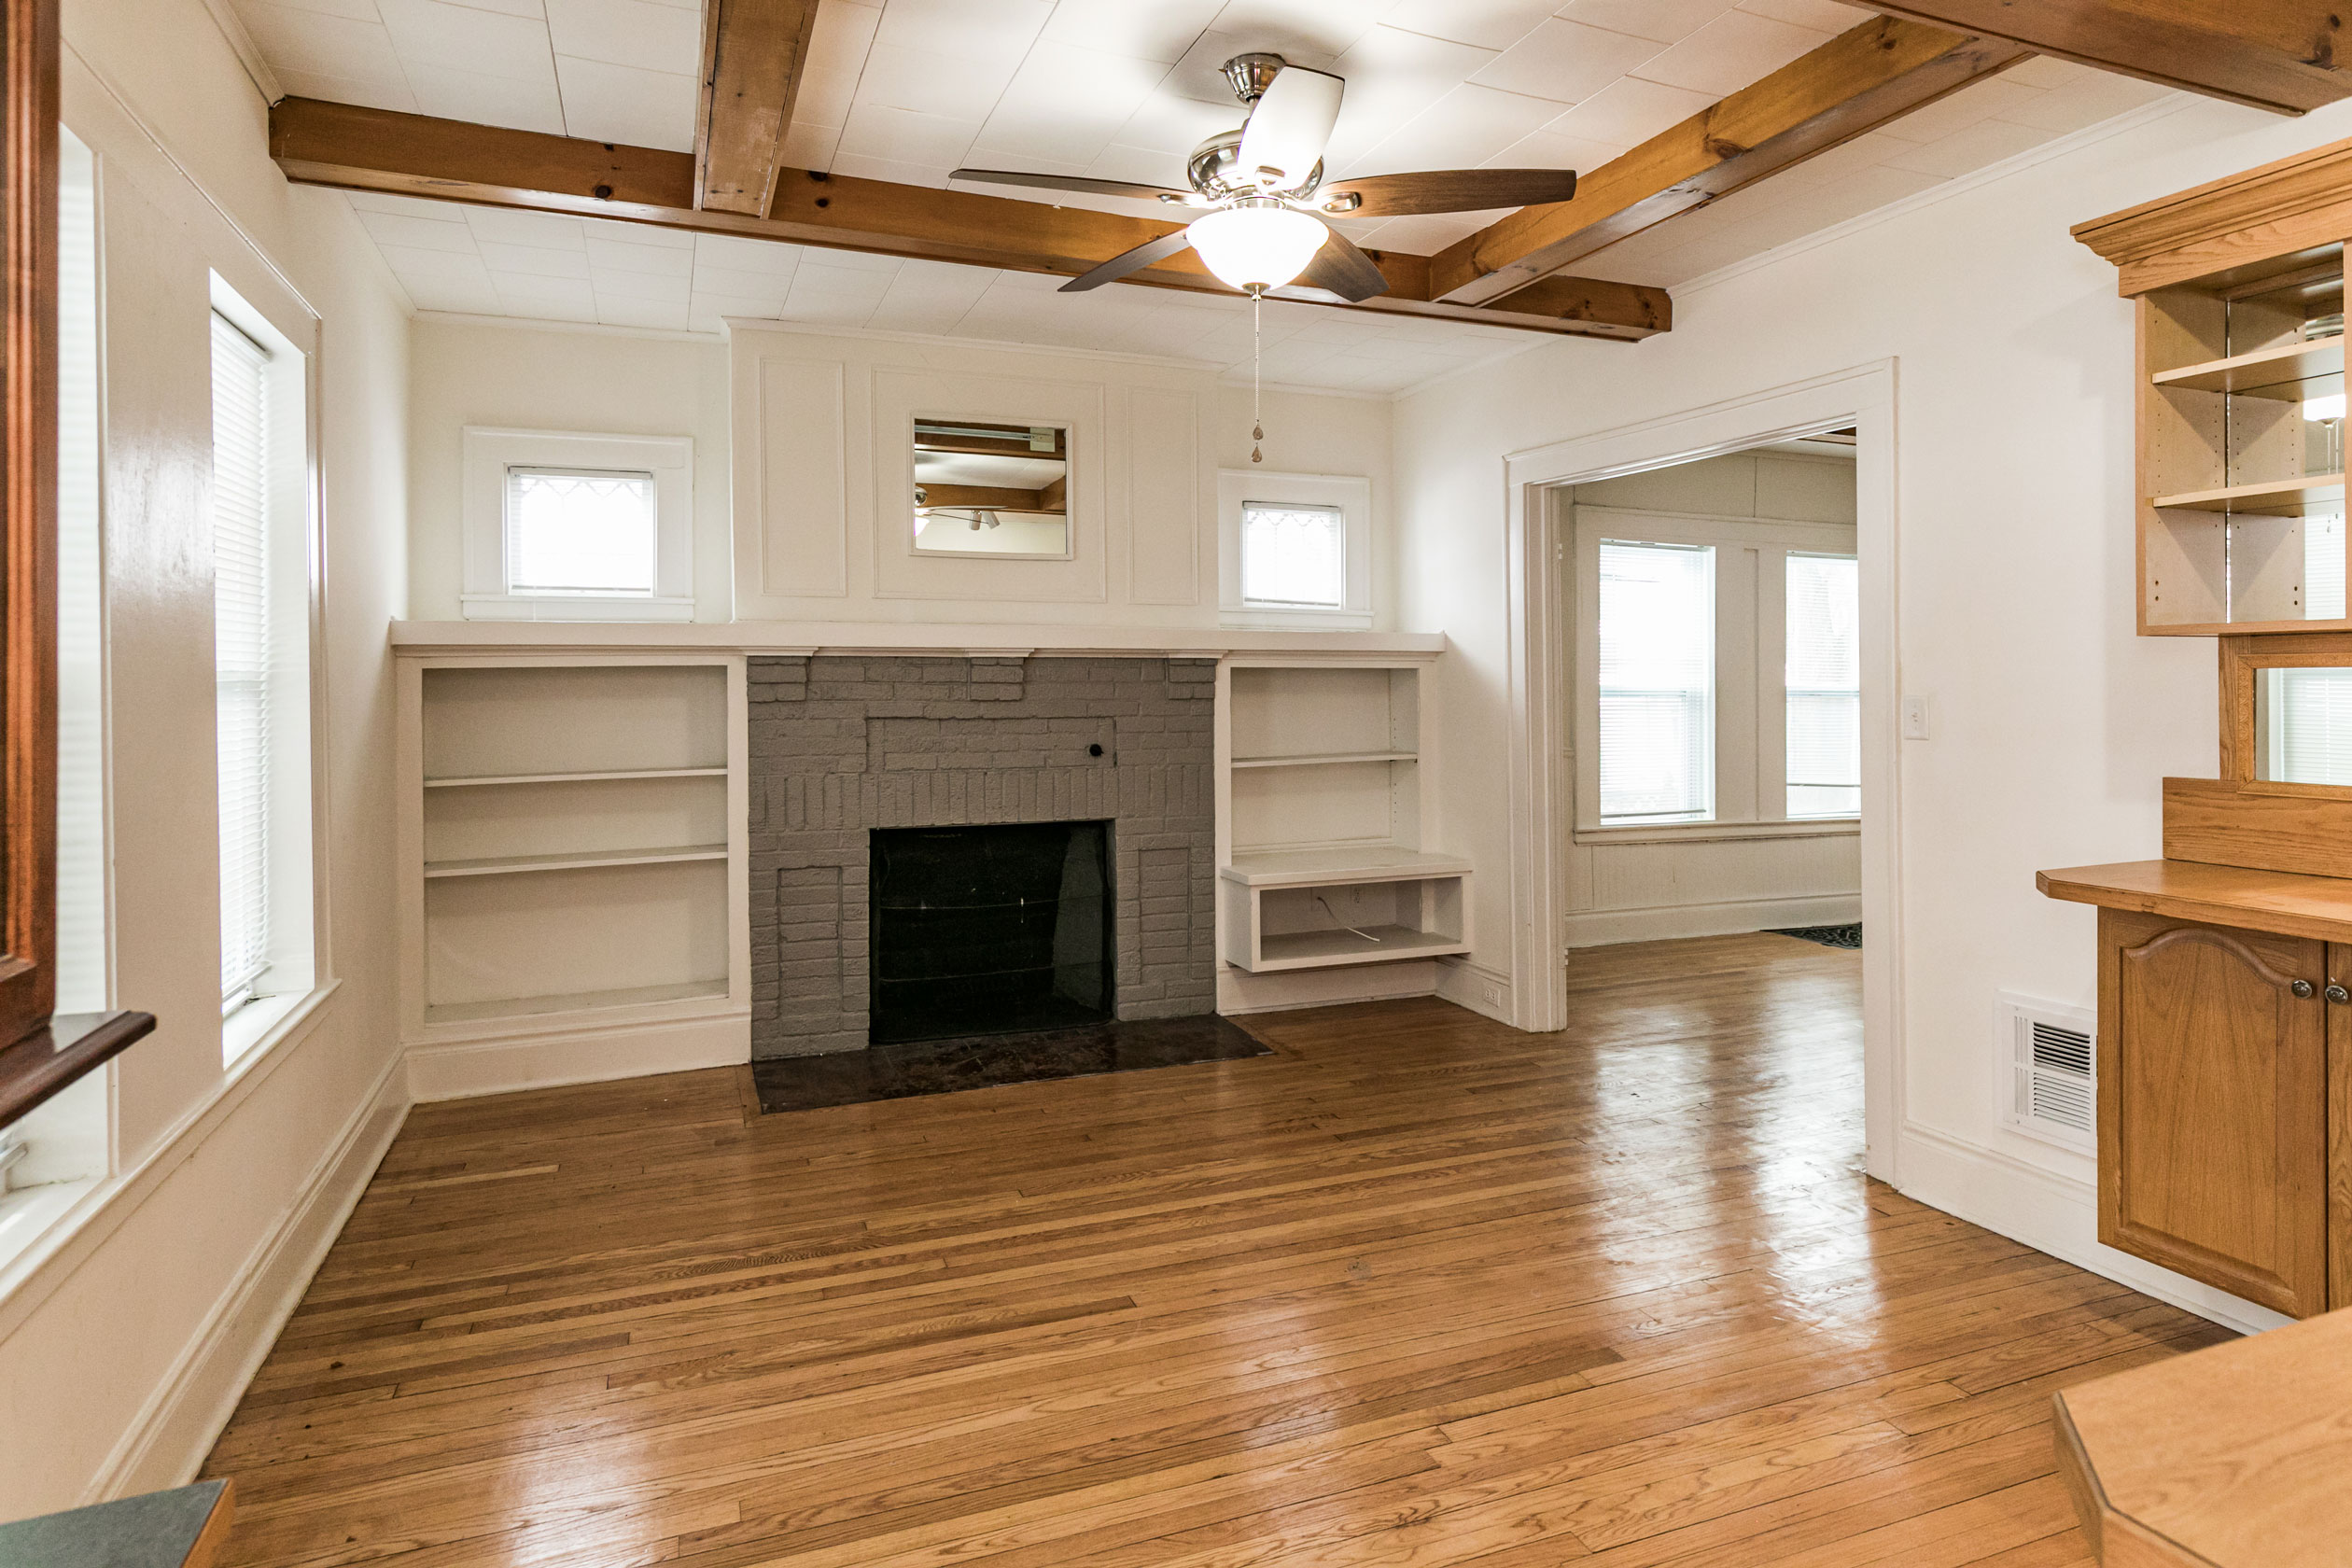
1321	827
1344	905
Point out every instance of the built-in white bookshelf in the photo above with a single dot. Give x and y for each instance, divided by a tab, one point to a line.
1321	816
574	836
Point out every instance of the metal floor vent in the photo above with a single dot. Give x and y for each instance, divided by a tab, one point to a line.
2051	1072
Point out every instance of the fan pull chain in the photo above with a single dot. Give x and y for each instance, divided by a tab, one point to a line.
1257	353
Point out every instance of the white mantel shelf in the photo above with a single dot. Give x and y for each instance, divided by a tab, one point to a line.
873	638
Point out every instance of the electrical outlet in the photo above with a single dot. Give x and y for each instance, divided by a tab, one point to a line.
1914	718
1489	993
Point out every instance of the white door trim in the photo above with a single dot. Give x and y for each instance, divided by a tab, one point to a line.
1863	397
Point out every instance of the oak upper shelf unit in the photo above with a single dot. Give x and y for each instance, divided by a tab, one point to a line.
2237	291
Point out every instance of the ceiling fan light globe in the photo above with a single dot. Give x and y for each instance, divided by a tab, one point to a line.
1255	248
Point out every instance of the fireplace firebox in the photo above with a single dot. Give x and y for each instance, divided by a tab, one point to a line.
999	928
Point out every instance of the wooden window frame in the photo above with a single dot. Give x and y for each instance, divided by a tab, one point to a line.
2242	660
28	517
40	1054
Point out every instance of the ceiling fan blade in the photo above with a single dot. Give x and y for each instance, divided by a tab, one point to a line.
1148	254
1290	125
1083	183
1339	268
1446	191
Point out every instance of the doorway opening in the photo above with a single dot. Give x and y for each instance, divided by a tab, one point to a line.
1725	766
1710	643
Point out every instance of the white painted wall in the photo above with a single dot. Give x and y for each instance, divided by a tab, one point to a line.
1674	886
523	377
2052	722
128	1331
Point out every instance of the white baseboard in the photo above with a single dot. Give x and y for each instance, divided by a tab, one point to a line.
176	1427
1240	992
2051	1213
1474	986
576	1055
1600	928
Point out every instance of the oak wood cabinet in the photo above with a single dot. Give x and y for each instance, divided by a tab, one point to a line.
2225	1073
2214	1048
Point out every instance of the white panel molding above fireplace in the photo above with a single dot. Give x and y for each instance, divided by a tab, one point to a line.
823	479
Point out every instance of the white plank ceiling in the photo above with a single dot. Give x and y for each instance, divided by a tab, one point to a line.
908	90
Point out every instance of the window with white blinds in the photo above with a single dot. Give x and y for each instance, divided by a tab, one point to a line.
581	533
1824	683
1657	677
240	650
1294	558
2306	725
81	706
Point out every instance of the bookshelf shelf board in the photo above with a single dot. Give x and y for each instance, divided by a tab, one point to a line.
2282	497
1325	758
2281	373
1339	864
507	865
575	777
1327	949
576	1001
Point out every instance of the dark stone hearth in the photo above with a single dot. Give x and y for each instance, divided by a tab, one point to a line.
842	747
933	1067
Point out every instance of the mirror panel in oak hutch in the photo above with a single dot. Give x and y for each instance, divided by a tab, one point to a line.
2225	968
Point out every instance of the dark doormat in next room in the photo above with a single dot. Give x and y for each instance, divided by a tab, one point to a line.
1828	936
930	1067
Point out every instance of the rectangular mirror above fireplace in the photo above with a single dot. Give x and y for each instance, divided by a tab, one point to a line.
991	488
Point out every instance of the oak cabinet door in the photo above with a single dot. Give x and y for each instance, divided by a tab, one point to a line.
2213	1105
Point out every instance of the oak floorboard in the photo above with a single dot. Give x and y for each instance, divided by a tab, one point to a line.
1416	1291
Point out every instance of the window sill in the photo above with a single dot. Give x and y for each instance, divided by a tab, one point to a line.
1721	832
511	606
27	1213
246	1034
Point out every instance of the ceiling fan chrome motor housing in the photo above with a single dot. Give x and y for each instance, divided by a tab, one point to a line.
1215	171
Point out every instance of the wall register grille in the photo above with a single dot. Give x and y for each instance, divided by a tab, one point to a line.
2051	1078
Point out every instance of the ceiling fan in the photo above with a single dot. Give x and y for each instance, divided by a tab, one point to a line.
1266	196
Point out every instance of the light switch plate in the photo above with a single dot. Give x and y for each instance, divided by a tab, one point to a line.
1914	718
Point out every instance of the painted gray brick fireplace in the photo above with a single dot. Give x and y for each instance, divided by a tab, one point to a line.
841	746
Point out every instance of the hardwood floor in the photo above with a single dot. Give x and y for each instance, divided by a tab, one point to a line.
1416	1290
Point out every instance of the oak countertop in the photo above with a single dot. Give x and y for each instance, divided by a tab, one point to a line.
2283	902
2236	1456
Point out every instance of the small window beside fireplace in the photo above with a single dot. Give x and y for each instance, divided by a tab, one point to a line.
996	929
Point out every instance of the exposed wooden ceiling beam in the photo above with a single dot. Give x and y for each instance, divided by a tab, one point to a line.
996	498
753	53
353	149
2267	54
1856	82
